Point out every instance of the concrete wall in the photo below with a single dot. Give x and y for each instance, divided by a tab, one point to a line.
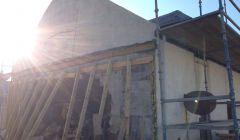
180	79
75	27
184	73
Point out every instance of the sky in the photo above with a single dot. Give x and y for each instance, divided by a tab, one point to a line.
18	27
19	19
145	8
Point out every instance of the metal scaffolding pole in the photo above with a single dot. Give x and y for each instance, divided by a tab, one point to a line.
160	77
229	70
200	7
235	5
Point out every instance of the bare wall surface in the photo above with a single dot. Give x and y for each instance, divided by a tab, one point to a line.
184	73
180	79
76	27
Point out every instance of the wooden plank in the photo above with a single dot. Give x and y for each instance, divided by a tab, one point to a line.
128	99
10	100
16	115
115	66
126	120
85	104
71	105
23	119
3	109
11	111
14	118
102	67
122	130
37	108
98	118
120	51
45	107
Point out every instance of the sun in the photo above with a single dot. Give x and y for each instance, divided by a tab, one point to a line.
18	28
18	44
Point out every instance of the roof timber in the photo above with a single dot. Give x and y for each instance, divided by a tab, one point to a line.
96	56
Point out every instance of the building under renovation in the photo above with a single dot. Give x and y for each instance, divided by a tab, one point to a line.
100	72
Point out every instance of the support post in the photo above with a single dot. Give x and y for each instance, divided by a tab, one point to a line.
229	71
85	105
97	121
37	108
125	124
18	113
46	106
71	105
23	119
128	99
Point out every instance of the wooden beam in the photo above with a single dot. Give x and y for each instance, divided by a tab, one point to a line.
71	105
45	107
14	117
125	130
12	110
122	130
128	99
97	121
23	119
85	105
37	109
101	55
115	66
10	96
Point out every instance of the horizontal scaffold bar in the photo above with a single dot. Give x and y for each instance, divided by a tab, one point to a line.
223	97
212	125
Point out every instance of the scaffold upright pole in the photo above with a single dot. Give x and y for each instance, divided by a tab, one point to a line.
229	70
160	82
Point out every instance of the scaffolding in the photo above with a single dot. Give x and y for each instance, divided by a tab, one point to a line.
25	114
233	124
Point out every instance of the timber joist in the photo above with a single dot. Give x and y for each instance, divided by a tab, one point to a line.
116	65
89	58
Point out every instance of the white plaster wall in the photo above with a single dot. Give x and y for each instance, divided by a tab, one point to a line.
218	86
77	27
236	79
184	73
180	79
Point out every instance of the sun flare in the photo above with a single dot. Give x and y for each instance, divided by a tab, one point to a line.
19	45
18	28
